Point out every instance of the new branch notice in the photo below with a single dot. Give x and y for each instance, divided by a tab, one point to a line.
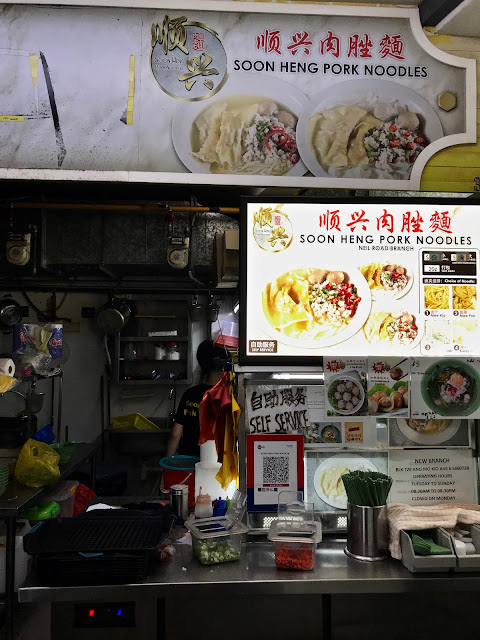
424	477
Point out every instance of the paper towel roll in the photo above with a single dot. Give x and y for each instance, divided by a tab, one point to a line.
7	367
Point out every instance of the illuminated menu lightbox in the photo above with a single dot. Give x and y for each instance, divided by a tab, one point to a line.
359	277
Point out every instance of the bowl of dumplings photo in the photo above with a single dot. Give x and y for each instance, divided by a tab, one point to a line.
370	129
244	129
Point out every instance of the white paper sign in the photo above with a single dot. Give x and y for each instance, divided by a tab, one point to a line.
429	476
284	409
275	470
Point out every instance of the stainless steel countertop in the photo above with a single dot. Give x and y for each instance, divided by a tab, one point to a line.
17	497
256	573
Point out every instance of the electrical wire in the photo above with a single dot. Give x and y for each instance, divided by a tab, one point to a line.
41	314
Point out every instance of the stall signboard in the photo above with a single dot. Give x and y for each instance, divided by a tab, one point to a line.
432	476
229	93
392	278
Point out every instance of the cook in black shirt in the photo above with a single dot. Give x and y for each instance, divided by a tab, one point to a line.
186	428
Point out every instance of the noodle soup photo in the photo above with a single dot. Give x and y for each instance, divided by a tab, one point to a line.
451	388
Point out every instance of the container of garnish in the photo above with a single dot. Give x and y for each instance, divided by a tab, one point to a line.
213	542
295	543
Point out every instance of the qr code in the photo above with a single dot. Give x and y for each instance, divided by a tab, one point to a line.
275	470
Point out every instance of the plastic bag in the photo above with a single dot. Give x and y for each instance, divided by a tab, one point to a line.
45	434
133	421
37	465
83	496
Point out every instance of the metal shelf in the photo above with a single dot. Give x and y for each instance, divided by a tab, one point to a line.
155	339
152	360
161	381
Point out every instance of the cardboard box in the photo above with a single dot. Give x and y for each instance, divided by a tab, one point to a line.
227	247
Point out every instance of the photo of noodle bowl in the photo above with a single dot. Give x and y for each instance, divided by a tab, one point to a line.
437	296
250	132
450	387
314	307
396	328
429	431
372	129
391	279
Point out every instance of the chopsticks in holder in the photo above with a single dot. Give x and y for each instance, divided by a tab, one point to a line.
367	488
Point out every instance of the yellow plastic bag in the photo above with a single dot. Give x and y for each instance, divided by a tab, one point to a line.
133	421
37	465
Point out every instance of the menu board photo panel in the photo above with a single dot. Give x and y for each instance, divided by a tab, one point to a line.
392	278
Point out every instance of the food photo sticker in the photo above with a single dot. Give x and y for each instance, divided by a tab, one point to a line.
388	382
324	485
426	432
445	388
345	386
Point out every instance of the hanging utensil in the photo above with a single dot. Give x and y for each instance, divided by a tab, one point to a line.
113	316
10	311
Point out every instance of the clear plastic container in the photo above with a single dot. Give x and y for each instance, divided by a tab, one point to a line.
64	494
172	351
295	555
212	543
295	543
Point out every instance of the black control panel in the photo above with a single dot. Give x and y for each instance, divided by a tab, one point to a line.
104	615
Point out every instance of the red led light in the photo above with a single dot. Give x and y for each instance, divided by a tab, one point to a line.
91	613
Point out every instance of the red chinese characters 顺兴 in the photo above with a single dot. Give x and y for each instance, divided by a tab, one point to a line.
300	41
358	218
269	41
329	220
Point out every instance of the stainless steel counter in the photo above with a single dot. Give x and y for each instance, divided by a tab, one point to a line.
17	497
256	573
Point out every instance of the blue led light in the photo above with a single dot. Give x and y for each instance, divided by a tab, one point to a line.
119	612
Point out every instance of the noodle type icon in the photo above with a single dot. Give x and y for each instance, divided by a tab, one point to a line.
436	297
464	297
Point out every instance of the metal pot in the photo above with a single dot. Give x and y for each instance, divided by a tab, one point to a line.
10	311
113	316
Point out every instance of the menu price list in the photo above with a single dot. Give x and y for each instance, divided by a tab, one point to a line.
448	301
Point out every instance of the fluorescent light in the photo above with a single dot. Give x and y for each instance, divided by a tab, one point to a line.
298	376
236	307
